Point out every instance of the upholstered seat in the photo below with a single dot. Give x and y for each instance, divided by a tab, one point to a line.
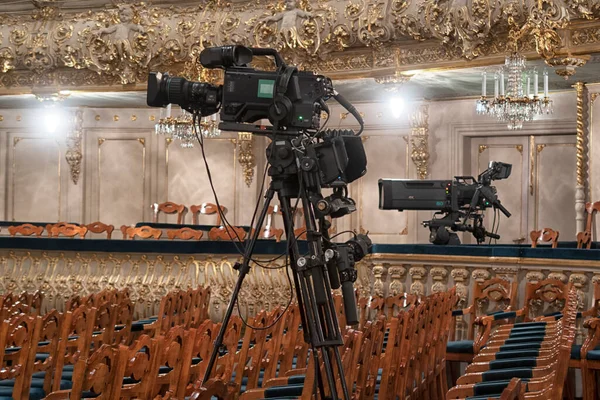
460	346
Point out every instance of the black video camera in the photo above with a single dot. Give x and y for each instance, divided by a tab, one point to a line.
288	98
458	201
291	100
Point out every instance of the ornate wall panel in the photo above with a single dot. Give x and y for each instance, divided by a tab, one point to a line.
122	180
554	186
186	178
35	178
391	150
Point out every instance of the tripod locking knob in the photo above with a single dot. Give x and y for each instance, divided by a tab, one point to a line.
301	262
329	254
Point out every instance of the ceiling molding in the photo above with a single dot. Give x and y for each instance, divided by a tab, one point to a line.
117	44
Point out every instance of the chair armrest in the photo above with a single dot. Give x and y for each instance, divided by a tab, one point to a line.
59	395
462	311
592	312
593	337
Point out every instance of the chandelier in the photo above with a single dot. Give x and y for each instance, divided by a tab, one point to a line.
514	105
181	127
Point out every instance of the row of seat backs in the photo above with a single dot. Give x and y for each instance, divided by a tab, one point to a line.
498	295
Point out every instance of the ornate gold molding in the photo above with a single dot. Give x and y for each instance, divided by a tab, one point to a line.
246	155
419	138
74	153
118	44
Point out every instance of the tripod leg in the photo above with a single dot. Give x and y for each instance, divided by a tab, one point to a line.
243	271
315	291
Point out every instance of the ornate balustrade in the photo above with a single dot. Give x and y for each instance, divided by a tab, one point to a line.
63	267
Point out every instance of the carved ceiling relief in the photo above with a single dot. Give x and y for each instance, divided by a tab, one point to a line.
120	43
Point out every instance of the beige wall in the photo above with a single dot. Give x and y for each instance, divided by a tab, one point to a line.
126	167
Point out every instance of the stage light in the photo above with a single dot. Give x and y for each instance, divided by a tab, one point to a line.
396	106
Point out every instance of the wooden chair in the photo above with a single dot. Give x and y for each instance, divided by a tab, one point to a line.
207	209
57	225
169	208
99	227
546	235
139	367
68	230
16	339
489	297
26	230
175	357
39	370
96	376
75	341
184	234
123	230
220	231
584	239
269	231
143	232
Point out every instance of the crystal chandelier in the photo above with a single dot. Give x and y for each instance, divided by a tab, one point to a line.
514	106
181	127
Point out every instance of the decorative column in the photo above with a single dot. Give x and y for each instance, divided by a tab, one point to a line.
418	274
480	275
246	155
74	153
582	162
579	280
460	276
534	276
378	274
396	274
438	275
419	138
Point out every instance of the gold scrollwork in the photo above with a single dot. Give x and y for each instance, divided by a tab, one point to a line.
119	44
246	155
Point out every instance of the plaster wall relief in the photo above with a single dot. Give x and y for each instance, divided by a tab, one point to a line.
117	44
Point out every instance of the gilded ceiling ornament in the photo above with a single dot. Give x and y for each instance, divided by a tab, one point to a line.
120	44
566	66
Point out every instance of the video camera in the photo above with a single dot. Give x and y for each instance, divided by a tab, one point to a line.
463	198
291	100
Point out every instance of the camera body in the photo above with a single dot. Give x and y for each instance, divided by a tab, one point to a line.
288	98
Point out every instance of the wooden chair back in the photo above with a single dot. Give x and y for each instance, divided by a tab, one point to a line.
139	367
584	239
400	302
47	336
202	347
68	230
99	227
26	230
16	339
169	208
123	317
545	297
97	375
143	232
269	231
75	340
184	234
545	235
231	233
207	209
175	356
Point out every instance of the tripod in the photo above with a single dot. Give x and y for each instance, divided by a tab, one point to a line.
295	175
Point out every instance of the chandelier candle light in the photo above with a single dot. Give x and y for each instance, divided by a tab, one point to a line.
181	127
513	106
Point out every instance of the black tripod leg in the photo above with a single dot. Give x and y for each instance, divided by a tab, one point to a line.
315	291
243	271
288	224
